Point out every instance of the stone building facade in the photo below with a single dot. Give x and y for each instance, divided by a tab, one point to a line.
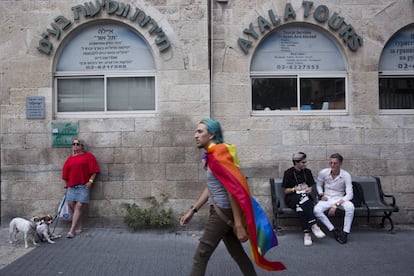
209	59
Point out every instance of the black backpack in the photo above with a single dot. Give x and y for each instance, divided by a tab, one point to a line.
359	198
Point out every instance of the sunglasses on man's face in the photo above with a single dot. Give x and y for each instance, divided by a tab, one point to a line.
76	144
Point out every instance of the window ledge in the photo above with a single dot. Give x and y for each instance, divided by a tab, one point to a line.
396	111
298	113
88	115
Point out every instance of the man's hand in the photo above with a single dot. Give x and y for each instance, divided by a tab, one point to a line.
241	233
184	220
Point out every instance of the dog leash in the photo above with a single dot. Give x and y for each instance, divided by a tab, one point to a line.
59	211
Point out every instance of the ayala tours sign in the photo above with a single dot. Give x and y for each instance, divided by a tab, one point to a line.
321	14
111	7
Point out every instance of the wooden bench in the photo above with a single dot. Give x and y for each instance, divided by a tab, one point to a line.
375	201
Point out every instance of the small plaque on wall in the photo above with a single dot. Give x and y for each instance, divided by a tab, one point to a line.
63	133
35	107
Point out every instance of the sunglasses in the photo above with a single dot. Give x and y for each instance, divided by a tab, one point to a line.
76	144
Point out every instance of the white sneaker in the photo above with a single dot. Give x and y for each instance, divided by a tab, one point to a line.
307	240
318	232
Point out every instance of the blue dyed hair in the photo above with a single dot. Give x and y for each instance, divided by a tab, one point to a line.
214	128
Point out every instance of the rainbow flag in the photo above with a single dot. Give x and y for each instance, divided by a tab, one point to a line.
222	160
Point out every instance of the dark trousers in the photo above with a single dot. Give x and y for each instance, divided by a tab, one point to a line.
216	230
306	216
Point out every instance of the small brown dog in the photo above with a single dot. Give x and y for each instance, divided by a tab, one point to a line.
43	229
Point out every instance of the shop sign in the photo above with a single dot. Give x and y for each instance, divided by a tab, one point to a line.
90	9
321	14
398	54
105	47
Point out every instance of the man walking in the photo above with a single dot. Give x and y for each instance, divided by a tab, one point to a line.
230	203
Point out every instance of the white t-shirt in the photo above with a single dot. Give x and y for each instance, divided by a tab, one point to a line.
335	189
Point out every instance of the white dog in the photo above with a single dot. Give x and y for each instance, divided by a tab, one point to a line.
27	227
43	229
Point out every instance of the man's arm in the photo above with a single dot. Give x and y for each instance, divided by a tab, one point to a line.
319	184
286	182
185	219
238	219
348	187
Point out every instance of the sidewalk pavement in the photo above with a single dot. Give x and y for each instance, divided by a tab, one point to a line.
116	251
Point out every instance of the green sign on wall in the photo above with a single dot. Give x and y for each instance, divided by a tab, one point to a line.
63	133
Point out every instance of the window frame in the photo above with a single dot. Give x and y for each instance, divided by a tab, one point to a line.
104	76
395	74
77	74
298	75
319	74
390	73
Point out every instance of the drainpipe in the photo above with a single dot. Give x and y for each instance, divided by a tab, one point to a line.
211	47
210	51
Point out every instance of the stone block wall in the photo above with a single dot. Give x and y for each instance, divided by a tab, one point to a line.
139	156
143	156
371	143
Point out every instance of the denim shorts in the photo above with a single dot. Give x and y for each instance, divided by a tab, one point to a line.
78	193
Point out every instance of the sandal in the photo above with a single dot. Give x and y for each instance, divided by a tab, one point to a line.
70	235
78	232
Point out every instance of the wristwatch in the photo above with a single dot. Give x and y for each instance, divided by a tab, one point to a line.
194	209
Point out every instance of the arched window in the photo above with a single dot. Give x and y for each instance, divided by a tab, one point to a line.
105	68
298	69
396	73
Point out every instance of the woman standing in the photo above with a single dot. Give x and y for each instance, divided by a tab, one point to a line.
79	172
298	182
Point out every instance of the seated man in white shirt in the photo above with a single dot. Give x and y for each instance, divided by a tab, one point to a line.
334	187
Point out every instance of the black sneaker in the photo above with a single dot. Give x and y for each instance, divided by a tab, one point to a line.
336	234
344	238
